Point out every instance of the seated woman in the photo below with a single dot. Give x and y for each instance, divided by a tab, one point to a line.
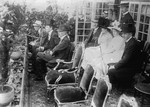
110	51
93	53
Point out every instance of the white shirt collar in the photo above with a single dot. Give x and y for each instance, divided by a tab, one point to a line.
128	39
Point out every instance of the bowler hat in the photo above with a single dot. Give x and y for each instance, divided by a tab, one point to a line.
128	28
62	28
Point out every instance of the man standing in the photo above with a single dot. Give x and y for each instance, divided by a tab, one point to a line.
126	17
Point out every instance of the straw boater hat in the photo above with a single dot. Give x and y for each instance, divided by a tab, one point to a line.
124	4
37	23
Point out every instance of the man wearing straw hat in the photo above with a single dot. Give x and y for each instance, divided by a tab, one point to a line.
126	16
38	43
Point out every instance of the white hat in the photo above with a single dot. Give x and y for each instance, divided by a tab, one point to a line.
115	25
37	23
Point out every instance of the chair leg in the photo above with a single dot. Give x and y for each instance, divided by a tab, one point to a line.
142	102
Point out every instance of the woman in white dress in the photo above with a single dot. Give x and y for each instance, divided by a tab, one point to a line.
92	53
110	54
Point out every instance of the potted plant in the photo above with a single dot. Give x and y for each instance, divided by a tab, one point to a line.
6	91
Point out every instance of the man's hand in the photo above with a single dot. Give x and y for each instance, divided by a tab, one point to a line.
112	67
48	52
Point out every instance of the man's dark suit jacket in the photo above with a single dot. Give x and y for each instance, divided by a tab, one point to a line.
54	40
126	68
62	50
126	19
92	39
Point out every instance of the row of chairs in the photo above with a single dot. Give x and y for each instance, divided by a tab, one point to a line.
56	79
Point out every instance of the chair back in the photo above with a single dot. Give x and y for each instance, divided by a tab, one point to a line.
145	55
77	56
101	93
71	51
127	101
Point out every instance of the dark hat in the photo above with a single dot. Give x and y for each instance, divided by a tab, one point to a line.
124	4
103	22
128	28
62	28
50	22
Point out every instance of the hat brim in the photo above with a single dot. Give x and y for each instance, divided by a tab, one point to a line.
35	24
115	28
59	30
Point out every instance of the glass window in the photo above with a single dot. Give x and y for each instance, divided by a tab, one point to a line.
142	18
145	37
98	11
132	14
97	17
135	16
146	28
147	19
80	38
88	18
80	25
105	5
85	37
88	5
87	32
88	11
140	36
143	11
148	9
87	25
136	7
80	32
100	5
132	8
141	27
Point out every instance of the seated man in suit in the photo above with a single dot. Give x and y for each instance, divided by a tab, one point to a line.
60	51
123	71
41	41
